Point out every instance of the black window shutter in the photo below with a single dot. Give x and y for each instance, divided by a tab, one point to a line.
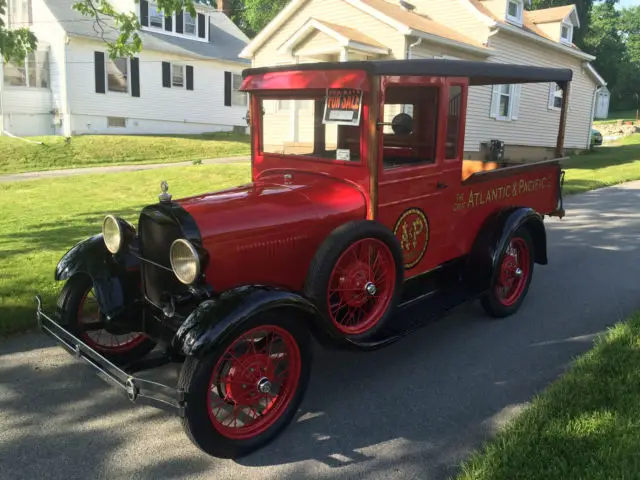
99	70
168	19
135	77
166	74
144	13
228	80
201	25
189	77
179	22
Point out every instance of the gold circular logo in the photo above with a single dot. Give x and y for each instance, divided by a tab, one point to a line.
412	230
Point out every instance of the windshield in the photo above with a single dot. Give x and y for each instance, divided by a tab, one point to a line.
324	126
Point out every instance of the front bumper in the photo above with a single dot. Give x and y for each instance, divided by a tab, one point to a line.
137	390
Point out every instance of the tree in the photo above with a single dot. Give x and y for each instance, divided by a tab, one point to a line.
604	41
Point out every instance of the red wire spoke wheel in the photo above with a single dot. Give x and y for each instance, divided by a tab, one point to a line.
244	390
102	340
252	385
512	276
79	309
514	272
361	286
355	280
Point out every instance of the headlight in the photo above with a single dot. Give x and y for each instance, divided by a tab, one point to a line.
185	261
117	233
112	233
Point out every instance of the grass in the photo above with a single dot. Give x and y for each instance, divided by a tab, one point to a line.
98	150
585	426
42	219
625	115
606	166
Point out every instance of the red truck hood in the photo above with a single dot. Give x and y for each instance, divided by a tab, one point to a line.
269	205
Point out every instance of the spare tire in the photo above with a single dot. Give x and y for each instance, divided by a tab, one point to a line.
355	279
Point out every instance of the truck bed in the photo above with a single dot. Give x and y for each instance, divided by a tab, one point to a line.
474	171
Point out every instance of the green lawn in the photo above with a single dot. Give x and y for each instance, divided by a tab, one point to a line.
96	150
584	426
606	166
42	219
625	115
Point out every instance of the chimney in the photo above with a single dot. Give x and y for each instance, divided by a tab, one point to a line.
222	5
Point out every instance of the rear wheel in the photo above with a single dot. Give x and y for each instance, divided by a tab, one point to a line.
245	392
79	309
356	279
515	270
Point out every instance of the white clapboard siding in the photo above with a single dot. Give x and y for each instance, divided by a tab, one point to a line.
333	11
203	105
536	124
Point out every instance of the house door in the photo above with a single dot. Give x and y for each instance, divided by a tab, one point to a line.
419	169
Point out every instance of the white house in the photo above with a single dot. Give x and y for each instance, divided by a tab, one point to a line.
525	117
184	80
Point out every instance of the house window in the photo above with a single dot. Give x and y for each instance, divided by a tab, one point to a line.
505	102
189	24
177	75
238	98
33	72
555	96
116	122
566	33
20	13
156	18
117	77
514	11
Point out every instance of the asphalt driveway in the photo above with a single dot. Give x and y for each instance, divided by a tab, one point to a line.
412	410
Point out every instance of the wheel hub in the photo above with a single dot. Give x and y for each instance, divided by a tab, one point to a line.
355	285
248	379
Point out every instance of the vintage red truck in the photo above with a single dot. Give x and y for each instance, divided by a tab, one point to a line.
358	228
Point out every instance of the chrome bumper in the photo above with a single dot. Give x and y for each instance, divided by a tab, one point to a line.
138	390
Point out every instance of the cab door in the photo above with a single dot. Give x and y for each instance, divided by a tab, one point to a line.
419	168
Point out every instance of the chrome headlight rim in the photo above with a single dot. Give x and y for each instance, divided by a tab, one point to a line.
195	256
106	236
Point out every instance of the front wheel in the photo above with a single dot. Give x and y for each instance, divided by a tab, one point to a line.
246	391
79	309
512	280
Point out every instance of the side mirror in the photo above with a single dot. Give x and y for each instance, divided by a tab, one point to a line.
402	124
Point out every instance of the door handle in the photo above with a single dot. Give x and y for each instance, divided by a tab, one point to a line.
441	185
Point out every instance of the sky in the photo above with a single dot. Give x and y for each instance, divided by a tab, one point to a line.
629	3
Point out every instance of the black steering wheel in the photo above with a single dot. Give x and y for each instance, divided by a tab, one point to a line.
402	124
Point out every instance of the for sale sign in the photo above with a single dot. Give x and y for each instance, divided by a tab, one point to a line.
343	106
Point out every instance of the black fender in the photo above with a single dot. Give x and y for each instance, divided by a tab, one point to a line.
213	320
493	238
113	276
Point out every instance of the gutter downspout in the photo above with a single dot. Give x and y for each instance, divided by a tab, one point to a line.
66	119
410	48
593	111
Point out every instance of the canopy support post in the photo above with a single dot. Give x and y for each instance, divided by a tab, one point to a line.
372	143
563	119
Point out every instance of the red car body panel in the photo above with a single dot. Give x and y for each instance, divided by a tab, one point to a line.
267	232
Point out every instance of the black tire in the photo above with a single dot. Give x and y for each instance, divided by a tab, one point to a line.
491	301
69	303
196	375
321	268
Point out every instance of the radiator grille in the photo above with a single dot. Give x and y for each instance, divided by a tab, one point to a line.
157	232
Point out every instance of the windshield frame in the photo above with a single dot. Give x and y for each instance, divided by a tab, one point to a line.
308	94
